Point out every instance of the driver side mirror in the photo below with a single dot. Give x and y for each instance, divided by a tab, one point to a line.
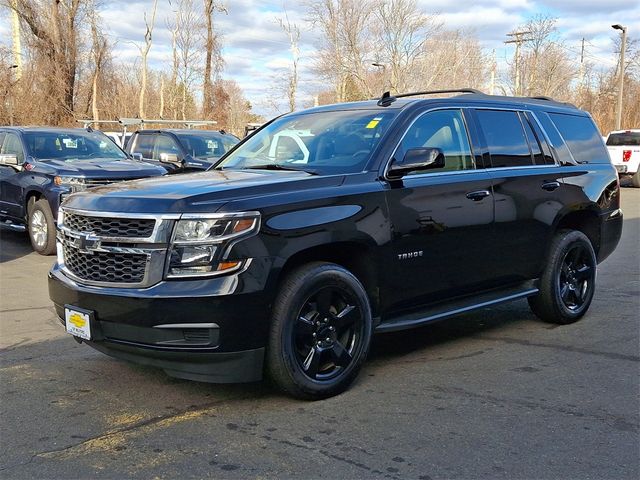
416	160
11	161
169	158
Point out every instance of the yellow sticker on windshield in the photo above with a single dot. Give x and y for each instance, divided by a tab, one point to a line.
373	123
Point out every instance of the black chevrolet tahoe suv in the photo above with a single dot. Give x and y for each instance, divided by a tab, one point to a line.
40	166
328	225
181	150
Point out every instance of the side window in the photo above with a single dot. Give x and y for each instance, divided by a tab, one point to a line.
582	137
542	140
2	134
443	129
534	144
505	138
13	146
144	145
165	144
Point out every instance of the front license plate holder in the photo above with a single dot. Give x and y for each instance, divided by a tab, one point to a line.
78	321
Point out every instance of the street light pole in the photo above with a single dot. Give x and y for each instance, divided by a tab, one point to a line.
623	47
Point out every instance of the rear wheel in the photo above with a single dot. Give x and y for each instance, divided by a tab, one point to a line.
42	228
320	332
567	284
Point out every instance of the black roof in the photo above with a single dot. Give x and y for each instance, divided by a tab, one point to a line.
472	98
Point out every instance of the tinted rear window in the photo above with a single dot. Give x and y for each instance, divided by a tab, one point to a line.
582	137
505	138
624	139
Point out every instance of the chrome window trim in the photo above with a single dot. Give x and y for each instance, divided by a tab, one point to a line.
434	109
476	169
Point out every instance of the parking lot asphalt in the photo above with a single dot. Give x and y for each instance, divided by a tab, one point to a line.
490	394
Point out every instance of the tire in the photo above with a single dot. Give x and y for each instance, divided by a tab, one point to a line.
42	228
567	284
635	180
320	331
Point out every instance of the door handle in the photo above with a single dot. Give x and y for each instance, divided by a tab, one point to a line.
550	186
478	195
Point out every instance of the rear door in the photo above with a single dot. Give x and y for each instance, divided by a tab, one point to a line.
441	219
528	189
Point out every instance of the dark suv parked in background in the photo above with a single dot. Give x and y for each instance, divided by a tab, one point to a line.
180	150
330	224
41	166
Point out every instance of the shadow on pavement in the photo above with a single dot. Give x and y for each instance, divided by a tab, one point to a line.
13	245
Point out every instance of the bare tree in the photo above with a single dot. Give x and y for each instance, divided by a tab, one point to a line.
99	50
402	30
186	50
54	30
144	52
293	32
213	57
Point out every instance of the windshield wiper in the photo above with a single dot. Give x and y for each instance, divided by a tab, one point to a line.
277	166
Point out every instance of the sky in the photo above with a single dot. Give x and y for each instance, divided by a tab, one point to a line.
256	50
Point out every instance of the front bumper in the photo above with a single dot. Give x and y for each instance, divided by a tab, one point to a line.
216	337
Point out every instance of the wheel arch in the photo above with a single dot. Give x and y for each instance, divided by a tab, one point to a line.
585	220
355	256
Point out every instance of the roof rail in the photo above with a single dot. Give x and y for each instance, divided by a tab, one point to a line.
543	97
387	99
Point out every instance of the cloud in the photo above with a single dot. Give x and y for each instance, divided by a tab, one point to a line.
256	50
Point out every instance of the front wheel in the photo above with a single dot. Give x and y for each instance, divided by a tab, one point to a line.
568	282
42	228
320	332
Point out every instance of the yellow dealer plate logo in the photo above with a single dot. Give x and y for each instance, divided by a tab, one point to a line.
77	323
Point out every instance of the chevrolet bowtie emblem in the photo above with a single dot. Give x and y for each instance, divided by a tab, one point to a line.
86	243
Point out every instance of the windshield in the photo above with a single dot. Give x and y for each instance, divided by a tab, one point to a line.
331	142
74	146
207	144
624	139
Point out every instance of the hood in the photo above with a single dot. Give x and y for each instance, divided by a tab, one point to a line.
103	168
194	192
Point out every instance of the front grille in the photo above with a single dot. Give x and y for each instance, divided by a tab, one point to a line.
110	227
97	182
104	266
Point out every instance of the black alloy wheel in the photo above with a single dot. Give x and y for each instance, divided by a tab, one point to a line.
328	332
567	284
320	331
576	277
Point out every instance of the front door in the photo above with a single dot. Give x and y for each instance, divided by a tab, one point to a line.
10	187
442	219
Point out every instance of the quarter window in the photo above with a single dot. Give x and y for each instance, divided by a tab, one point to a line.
443	129
505	138
582	137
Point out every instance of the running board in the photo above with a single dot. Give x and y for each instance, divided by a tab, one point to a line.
13	226
456	307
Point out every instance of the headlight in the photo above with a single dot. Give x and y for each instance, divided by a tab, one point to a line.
74	183
200	244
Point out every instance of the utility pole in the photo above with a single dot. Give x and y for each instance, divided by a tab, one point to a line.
492	87
518	38
623	47
582	64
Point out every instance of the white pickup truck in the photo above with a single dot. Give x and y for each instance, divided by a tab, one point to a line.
624	150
